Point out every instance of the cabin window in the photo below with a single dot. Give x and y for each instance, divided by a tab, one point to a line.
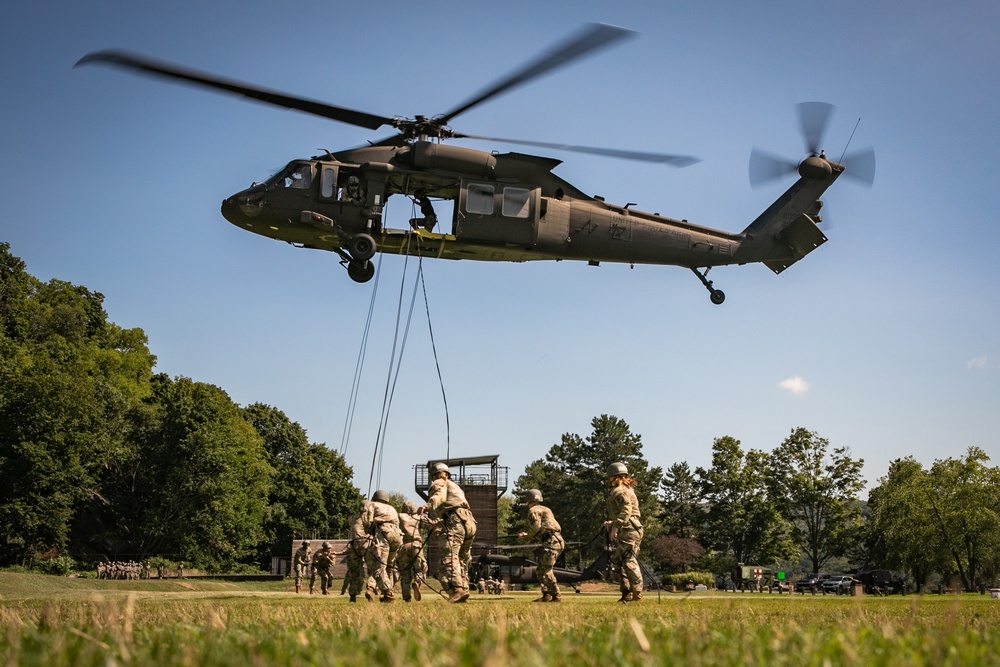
479	199
296	177
328	183
516	202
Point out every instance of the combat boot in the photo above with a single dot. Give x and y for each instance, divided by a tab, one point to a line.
459	595
354	598
370	594
556	597
415	588
387	597
626	596
296	589
636	596
545	598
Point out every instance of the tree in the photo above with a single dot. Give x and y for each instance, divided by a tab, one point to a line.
899	512
741	519
312	493
675	554
681	501
204	481
572	478
70	380
964	499
816	491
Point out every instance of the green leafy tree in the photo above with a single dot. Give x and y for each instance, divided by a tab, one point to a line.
204	478
742	522
572	478
964	498
683	513
816	490
901	535
70	380
312	493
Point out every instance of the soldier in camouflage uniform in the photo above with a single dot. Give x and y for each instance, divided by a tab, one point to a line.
543	528
410	561
357	548
300	563
626	532
322	565
381	521
446	502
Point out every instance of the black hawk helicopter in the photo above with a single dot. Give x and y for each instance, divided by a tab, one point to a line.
510	206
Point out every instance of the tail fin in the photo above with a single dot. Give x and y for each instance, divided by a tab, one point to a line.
786	232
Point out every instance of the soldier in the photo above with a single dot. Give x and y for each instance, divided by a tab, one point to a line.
357	548
543	527
322	564
446	502
410	561
626	532
381	521
300	563
481	585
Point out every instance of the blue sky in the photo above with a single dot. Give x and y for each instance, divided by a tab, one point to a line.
883	341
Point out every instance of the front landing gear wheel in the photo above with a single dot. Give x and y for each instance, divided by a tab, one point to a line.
717	296
361	272
362	247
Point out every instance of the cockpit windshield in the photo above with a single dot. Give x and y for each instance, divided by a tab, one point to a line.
297	176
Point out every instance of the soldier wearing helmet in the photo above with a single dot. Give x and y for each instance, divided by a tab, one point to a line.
359	541
301	560
322	565
446	502
543	527
353	192
410	561
381	521
625	532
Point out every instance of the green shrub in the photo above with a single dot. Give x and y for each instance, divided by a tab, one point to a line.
59	566
681	579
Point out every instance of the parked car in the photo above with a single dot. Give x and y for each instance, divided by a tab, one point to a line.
812	583
839	585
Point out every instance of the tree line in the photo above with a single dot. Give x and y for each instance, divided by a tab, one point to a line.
795	507
101	458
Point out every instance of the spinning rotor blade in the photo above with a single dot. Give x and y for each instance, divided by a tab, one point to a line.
860	166
171	71
766	167
813	119
662	158
593	37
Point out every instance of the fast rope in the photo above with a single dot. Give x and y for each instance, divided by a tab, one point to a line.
395	365
345	438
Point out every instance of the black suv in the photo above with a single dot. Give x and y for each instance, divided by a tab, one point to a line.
812	583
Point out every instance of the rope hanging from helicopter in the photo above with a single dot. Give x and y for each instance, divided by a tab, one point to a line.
394	365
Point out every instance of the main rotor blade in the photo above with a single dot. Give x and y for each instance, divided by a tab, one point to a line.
860	166
172	71
643	156
766	167
591	38
813	119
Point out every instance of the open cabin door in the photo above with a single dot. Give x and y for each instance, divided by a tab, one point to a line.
498	213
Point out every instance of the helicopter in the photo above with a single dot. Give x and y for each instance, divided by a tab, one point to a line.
505	206
521	570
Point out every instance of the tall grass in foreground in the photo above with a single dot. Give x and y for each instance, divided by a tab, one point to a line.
241	628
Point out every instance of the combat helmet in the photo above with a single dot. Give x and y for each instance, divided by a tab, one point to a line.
617	469
380	496
326	545
440	467
409	507
305	543
532	496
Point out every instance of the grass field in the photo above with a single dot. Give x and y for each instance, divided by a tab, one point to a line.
54	621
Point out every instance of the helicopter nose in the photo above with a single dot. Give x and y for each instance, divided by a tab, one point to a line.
242	207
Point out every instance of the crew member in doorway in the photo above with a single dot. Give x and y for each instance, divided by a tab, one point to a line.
426	210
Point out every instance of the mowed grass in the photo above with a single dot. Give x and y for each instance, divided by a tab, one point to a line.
55	621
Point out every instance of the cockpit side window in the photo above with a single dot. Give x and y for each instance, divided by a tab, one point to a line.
479	199
296	177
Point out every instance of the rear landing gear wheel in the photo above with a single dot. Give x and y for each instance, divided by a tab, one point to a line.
717	295
361	272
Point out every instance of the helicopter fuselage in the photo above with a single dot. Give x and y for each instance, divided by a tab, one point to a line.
506	207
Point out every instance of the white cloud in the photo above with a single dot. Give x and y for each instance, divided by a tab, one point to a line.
978	362
794	385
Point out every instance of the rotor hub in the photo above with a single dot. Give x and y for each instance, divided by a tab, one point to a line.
816	167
